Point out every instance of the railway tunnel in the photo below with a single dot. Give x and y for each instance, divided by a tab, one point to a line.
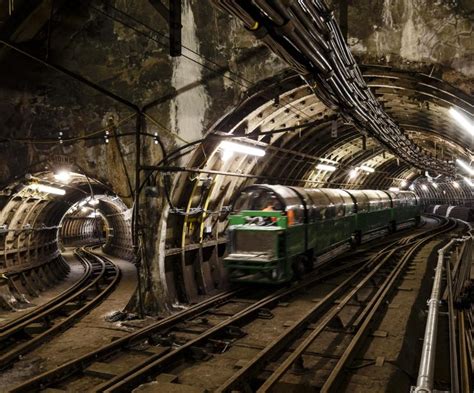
130	129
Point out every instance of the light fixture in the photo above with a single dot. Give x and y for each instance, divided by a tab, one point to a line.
353	174
465	166
455	184
367	168
46	189
394	189
412	187
229	148
464	121
63	176
93	215
403	183
434	185
424	187
468	181
325	167
85	209
93	202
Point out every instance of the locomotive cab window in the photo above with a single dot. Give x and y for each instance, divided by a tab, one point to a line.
259	199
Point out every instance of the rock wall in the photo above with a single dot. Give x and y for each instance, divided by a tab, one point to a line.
123	48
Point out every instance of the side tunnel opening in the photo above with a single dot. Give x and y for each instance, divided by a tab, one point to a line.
40	215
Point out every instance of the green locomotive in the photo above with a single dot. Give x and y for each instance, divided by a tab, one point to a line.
276	231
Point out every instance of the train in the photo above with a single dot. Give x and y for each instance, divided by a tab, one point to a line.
276	231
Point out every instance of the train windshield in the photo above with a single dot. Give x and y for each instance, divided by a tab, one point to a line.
258	199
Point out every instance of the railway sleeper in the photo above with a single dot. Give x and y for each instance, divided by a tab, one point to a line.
35	328
264	313
200	353
105	371
235	331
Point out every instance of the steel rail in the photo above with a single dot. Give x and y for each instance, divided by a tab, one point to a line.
106	267
289	335
253	366
335	376
158	363
136	375
256	364
78	365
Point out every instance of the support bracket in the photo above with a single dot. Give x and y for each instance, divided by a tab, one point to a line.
172	16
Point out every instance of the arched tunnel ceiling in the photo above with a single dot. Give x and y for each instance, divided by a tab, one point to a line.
418	102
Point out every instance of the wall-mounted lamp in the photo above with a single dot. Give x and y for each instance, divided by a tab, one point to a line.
229	148
46	189
325	167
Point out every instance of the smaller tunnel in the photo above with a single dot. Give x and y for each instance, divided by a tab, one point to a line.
45	212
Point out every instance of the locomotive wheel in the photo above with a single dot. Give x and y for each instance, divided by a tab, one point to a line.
356	239
298	267
308	262
392	227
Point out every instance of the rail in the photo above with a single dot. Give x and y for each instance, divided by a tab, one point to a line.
35	328
157	357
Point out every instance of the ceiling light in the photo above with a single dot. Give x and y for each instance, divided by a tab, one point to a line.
403	183
228	148
324	167
353	174
465	166
469	181
424	187
63	176
85	209
367	168
455	184
412	187
394	189
463	120
434	185
46	189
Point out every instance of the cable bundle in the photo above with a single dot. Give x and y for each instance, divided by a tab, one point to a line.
305	34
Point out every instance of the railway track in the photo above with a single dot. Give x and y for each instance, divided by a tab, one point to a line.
34	328
210	328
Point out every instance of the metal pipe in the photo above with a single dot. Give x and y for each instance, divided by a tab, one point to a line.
453	356
136	213
425	378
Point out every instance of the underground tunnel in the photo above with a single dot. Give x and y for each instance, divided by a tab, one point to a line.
236	196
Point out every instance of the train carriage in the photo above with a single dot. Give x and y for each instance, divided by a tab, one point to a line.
276	231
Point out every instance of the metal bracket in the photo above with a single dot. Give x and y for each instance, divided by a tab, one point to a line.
172	15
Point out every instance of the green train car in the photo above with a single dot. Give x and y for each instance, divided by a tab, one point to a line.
276	231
